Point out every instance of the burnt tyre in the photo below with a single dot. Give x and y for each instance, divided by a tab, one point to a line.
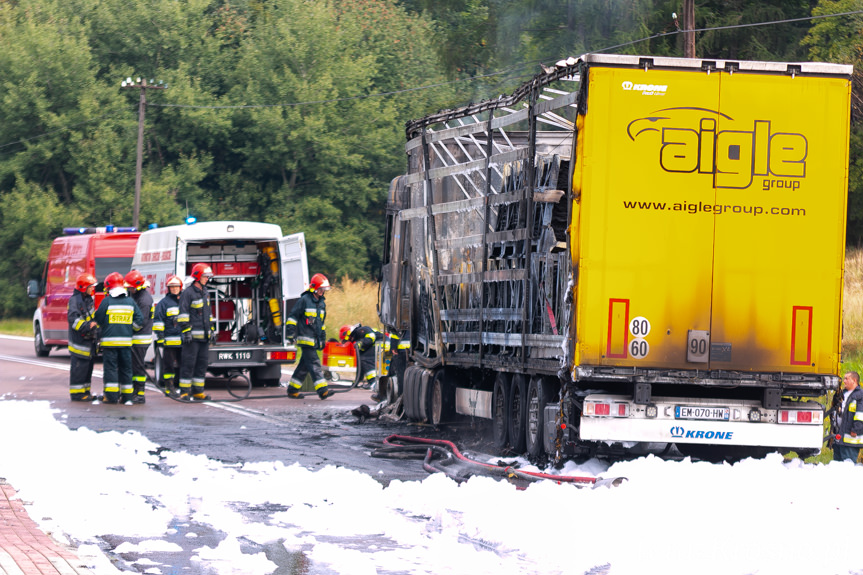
499	412
517	412
41	349
539	392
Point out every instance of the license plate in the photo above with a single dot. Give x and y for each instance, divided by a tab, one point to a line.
709	413
234	356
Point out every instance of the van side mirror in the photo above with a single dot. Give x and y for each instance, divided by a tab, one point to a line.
33	290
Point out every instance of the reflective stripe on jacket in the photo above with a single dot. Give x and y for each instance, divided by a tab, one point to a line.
194	313
118	317
165	324
80	313
306	320
852	419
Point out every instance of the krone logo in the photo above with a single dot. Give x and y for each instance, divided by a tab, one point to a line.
676	431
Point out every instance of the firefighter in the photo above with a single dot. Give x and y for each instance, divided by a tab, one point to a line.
305	323
83	332
364	337
849	420
169	335
196	328
395	360
119	318
142	339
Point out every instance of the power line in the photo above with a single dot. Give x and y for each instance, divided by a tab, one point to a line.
470	79
729	27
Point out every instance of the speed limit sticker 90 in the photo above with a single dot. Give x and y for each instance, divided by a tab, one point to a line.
639	327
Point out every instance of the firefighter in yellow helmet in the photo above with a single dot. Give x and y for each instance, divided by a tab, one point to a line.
306	324
83	332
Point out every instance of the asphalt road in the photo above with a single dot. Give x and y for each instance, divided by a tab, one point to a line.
310	432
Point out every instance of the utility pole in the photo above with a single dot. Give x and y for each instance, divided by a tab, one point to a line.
688	27
142	105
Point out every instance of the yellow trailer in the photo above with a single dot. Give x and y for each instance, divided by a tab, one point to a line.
627	252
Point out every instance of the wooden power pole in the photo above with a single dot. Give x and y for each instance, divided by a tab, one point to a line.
688	27
142	105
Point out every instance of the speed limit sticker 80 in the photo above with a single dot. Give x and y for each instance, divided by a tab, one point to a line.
639	327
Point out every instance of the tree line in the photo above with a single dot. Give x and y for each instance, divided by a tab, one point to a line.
293	112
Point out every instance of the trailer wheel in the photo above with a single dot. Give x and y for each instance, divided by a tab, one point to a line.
517	412
499	411
410	392
42	350
538	394
437	404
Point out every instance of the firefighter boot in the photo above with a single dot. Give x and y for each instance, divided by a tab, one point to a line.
325	392
294	392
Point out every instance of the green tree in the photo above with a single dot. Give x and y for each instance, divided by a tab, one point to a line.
840	39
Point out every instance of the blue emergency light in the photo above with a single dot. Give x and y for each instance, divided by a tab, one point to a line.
191	220
105	230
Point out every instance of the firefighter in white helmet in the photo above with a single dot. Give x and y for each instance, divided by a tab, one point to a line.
169	334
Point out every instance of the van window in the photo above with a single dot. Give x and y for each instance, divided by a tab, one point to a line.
104	266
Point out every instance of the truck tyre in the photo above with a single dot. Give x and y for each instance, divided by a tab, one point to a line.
538	394
499	411
410	392
438	398
42	350
517	412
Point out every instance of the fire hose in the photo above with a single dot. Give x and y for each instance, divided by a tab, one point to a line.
403	446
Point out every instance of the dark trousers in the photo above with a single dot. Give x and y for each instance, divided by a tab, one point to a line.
309	363
139	369
80	374
366	369
170	365
193	366
845	452
117	373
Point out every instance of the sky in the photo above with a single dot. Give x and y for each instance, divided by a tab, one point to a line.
754	517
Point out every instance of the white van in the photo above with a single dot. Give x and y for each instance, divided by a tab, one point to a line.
258	273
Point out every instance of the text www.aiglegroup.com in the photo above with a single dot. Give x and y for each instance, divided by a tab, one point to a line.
717	209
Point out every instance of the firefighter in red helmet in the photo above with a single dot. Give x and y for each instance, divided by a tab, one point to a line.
365	338
83	333
196	327
306	324
142	339
119	318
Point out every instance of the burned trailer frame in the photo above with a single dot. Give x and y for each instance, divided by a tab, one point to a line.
476	263
488	260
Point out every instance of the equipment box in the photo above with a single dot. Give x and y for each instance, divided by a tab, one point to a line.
339	355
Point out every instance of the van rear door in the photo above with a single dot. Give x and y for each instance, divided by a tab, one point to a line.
295	267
